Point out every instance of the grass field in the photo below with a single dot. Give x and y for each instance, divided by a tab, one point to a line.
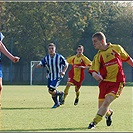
28	108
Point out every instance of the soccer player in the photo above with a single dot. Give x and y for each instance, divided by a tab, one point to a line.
14	59
79	63
56	66
107	70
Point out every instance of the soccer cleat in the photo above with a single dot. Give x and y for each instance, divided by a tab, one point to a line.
109	119
55	106
61	98
92	125
76	101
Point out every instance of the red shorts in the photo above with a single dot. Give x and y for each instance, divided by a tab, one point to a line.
113	88
73	82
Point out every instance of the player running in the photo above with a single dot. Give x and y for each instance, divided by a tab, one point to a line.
56	66
79	63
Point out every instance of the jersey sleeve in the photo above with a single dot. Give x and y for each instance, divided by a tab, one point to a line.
43	61
87	61
95	67
63	61
70	60
123	54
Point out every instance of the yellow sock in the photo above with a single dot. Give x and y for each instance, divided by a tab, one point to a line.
66	91
77	94
109	112
77	91
97	119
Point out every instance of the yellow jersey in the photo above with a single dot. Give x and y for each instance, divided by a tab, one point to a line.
78	73
109	63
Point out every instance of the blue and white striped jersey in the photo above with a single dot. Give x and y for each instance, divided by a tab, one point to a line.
54	65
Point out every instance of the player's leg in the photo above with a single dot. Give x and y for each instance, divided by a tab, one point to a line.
52	91
55	93
108	117
101	111
77	90
1	75
61	95
102	92
66	90
0	92
116	88
108	113
105	105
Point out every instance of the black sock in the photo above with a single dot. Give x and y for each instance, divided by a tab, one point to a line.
55	99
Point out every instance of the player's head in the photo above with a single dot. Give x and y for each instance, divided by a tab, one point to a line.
80	49
98	40
51	48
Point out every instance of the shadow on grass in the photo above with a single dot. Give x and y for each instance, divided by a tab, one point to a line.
24	108
28	108
52	129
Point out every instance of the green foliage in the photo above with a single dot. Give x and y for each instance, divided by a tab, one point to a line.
33	25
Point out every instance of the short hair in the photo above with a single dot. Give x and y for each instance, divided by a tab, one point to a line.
99	35
81	46
51	44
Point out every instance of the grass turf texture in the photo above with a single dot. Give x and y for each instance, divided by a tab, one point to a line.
28	108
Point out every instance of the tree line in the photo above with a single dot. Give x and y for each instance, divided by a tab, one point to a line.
29	27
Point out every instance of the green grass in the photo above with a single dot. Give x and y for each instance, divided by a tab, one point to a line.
28	108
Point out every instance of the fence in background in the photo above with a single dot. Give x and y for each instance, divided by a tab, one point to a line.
20	74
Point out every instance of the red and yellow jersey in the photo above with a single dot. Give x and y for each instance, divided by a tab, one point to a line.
78	73
109	63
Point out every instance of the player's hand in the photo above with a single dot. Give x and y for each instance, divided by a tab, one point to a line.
98	77
76	66
46	75
15	59
79	67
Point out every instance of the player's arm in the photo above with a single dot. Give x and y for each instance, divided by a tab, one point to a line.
65	63
64	70
85	67
95	68
97	76
130	61
40	65
125	56
4	50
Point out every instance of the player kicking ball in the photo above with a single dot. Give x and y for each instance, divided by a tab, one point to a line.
107	70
